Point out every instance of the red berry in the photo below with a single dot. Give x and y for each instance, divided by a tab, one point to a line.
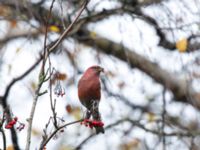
16	118
8	126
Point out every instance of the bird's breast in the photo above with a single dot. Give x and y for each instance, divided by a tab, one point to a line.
89	89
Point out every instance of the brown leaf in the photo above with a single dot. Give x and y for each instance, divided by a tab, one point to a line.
5	11
68	108
10	147
58	76
13	23
74	111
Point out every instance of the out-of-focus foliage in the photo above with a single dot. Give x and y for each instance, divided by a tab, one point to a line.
150	88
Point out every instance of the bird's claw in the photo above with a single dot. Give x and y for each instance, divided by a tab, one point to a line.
92	123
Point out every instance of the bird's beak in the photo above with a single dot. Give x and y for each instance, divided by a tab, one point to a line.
101	69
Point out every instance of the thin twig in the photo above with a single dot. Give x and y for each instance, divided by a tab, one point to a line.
141	126
163	120
65	33
46	51
5	105
46	55
30	120
4	97
44	143
42	77
125	100
53	104
92	135
3	138
2	121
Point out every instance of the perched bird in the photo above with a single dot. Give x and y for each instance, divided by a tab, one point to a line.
89	92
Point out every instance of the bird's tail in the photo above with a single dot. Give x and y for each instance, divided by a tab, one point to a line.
99	130
97	117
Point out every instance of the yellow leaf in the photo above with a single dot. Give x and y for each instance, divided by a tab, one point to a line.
10	147
54	28
93	34
181	45
33	86
151	117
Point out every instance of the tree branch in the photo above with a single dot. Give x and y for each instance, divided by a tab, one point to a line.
139	125
46	54
45	141
181	90
6	107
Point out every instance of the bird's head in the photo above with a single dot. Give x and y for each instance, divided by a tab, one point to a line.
94	70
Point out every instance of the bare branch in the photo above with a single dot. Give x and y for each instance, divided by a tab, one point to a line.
45	141
181	90
42	75
4	138
6	107
139	125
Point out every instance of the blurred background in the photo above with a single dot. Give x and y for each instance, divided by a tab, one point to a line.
149	50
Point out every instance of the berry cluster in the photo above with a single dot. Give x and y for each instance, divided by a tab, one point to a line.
92	123
11	124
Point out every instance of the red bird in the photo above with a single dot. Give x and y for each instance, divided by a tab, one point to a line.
89	92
